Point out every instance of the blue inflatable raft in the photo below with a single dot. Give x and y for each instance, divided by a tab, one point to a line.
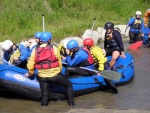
12	78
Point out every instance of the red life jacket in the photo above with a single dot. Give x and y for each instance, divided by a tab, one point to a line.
45	58
89	60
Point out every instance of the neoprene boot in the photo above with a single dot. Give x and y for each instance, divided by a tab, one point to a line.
44	92
71	104
70	70
131	36
44	101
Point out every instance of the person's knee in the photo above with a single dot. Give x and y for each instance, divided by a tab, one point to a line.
70	69
115	55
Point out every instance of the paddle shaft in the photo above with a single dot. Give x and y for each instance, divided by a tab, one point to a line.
43	23
92	27
89	69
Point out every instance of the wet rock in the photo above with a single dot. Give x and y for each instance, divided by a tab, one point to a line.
78	39
122	29
96	36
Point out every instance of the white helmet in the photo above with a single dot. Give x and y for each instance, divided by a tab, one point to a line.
6	45
65	43
138	13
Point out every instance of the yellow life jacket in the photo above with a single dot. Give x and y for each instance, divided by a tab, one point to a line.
15	54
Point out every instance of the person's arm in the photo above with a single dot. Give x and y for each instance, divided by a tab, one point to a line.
58	56
131	21
105	42
120	43
24	53
79	57
142	26
31	63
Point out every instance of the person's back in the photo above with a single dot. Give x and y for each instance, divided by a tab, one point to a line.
47	56
99	57
46	60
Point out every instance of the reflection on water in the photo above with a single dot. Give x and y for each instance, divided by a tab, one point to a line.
135	95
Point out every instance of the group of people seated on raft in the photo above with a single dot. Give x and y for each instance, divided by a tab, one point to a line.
44	59
139	28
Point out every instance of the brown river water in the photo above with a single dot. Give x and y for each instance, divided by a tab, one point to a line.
132	98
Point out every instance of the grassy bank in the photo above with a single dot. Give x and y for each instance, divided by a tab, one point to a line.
22	18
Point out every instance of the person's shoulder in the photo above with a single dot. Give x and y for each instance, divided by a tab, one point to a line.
55	48
95	47
132	19
116	31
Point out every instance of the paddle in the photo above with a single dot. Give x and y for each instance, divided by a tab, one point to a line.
136	45
108	74
92	27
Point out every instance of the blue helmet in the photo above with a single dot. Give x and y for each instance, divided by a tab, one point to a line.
45	36
37	34
72	44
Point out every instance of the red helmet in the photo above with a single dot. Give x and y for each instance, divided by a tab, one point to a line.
88	42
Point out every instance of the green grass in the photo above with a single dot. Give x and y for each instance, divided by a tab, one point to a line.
22	18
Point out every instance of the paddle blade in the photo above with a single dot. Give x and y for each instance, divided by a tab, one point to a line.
111	75
136	45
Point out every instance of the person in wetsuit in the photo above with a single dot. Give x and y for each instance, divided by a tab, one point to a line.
47	60
113	44
136	25
80	57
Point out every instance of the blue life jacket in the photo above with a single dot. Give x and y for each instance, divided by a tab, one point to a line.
136	25
78	58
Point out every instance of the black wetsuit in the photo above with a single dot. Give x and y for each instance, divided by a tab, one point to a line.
114	43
